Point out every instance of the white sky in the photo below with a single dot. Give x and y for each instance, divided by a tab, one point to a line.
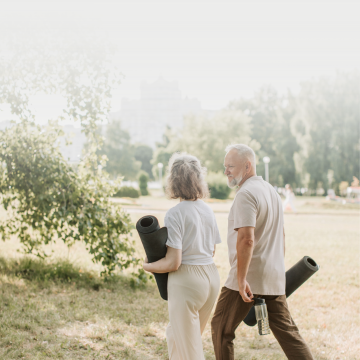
216	50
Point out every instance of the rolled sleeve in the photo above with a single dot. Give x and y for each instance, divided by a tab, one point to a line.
245	210
174	232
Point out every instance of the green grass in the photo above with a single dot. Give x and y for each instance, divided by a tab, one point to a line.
62	312
62	309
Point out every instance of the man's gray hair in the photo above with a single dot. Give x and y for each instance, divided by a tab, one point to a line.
245	152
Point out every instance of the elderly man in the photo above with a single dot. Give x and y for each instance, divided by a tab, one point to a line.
256	242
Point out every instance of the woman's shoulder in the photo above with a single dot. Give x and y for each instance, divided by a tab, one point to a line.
183	207
204	208
175	210
190	204
202	204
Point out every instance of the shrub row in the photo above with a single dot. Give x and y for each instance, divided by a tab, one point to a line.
218	186
127	191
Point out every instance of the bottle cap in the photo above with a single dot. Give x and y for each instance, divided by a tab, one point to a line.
259	301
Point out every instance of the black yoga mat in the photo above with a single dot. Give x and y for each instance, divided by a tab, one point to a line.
295	277
153	239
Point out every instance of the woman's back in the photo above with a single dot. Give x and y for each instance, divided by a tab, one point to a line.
192	227
193	280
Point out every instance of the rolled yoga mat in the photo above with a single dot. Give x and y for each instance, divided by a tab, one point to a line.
153	239
295	277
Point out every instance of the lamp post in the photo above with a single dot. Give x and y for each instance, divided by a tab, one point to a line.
266	161
160	166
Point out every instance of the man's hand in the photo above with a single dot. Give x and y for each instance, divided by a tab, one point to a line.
245	291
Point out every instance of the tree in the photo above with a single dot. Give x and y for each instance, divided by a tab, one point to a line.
143	179
163	151
119	151
144	154
207	137
45	198
271	127
330	115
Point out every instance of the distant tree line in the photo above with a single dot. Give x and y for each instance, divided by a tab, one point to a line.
124	158
311	137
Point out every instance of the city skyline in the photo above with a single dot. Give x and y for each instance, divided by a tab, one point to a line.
160	104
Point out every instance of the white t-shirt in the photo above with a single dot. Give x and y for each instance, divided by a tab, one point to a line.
192	227
258	205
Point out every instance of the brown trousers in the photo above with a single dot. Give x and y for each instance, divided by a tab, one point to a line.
231	310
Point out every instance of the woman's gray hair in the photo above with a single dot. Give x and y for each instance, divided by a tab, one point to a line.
186	178
245	152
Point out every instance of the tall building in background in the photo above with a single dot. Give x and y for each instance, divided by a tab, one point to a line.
160	104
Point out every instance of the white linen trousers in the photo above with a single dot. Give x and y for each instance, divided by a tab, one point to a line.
192	292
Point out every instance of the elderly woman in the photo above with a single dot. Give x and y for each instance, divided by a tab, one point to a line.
194	281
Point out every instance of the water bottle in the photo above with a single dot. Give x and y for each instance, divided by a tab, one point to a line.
262	316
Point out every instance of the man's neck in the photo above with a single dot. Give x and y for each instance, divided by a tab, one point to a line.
245	178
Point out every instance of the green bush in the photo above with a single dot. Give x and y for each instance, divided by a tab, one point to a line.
46	199
127	191
143	179
57	270
60	270
218	186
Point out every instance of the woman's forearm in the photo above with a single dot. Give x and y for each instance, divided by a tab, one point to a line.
169	263
161	266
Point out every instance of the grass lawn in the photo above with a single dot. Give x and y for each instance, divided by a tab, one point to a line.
63	310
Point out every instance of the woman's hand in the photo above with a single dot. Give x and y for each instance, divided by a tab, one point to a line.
146	265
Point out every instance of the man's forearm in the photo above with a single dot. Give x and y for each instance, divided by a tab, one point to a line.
244	248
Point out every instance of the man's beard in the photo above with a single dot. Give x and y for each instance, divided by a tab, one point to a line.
235	181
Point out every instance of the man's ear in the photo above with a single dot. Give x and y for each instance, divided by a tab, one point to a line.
248	166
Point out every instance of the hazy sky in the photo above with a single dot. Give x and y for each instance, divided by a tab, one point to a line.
216	50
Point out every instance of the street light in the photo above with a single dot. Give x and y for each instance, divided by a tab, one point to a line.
160	166
266	161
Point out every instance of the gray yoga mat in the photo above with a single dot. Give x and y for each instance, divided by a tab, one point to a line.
295	277
153	239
